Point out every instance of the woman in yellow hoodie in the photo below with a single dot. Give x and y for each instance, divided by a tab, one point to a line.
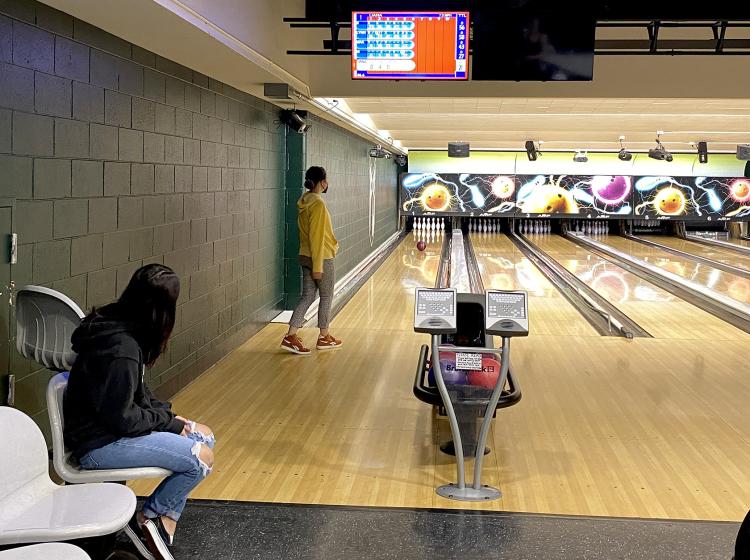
317	249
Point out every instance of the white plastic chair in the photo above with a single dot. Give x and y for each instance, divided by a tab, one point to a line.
45	321
47	551
64	463
34	509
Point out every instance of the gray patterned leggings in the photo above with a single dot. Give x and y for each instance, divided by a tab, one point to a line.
310	288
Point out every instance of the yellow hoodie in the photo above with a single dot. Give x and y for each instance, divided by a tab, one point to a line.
316	239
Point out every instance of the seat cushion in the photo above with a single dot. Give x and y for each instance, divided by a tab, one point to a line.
71	512
47	551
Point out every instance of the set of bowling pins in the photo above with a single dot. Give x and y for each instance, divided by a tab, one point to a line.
484	225
645	223
534	226
429	230
429	224
586	226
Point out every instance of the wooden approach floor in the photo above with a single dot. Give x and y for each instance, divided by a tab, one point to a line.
653	428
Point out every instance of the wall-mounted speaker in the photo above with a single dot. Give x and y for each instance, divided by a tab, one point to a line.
743	151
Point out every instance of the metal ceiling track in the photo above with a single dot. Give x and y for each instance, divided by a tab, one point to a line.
653	45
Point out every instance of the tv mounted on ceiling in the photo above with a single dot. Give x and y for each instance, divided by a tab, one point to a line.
410	45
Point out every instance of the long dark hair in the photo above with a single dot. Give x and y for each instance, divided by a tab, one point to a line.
149	303
313	176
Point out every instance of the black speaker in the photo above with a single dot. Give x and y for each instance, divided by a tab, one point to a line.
458	149
531	150
702	152
743	151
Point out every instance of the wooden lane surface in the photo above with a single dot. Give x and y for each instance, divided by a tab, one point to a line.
659	312
717	253
504	267
644	428
733	286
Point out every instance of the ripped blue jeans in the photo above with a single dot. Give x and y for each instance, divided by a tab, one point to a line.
179	454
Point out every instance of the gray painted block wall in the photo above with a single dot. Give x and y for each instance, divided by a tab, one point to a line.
117	158
345	158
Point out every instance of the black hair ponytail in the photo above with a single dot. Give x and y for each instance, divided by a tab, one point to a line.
313	176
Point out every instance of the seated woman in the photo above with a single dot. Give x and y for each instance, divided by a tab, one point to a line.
112	420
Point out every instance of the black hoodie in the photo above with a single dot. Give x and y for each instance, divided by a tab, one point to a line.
106	398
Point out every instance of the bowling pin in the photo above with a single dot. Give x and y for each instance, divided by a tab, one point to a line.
606	227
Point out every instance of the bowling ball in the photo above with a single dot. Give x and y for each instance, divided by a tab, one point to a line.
451	375
611	190
421	245
488	377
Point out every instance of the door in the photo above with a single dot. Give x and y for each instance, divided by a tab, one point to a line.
6	342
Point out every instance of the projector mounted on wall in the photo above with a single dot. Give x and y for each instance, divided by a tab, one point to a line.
295	119
379	152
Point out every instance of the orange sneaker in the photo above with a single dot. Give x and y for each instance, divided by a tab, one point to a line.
328	342
293	344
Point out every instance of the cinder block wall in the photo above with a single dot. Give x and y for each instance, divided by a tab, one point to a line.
345	158
116	158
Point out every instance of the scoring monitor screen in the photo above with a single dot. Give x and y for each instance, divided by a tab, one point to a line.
410	45
506	305
435	303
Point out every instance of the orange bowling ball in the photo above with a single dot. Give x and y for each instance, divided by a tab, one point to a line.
488	377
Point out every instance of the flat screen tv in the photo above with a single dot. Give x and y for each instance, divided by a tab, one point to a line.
533	40
410	45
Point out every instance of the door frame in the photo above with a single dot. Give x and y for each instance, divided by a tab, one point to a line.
5	372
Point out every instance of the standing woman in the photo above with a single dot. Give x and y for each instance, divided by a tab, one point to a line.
317	249
113	421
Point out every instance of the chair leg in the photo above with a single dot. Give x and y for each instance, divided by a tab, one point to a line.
99	548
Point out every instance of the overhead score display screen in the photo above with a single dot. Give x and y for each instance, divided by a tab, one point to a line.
410	45
582	196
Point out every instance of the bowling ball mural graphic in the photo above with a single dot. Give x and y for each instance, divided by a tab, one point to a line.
669	201
435	196
685	198
594	196
458	193
739	190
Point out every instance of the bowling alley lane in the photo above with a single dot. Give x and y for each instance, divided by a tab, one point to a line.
662	314
504	267
718	280
726	256
387	299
